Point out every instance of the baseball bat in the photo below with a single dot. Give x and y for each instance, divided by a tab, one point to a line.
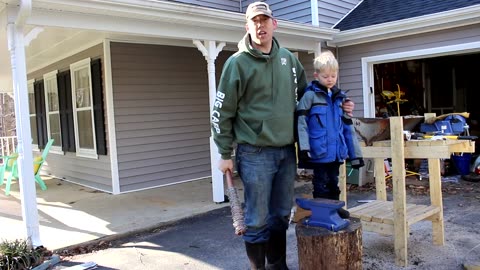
235	206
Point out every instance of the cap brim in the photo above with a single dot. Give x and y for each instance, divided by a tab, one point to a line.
259	13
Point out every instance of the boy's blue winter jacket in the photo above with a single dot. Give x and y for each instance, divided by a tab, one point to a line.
324	130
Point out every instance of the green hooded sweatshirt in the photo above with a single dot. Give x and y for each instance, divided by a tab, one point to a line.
256	98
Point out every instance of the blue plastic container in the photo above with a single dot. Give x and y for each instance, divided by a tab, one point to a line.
462	163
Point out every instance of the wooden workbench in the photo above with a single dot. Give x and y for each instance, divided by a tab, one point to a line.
394	218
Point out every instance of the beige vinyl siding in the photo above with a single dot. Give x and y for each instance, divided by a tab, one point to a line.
331	11
161	114
230	5
307	61
95	173
350	56
293	10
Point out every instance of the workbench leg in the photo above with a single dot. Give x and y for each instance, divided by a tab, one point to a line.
380	179
435	181
342	183
399	192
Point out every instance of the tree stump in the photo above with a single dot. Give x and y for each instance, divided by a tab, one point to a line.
319	248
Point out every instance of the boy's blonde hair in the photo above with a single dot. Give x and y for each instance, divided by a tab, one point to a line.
325	62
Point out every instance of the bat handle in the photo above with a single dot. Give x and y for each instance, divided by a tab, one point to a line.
229	177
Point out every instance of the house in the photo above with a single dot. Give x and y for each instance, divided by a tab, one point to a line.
124	86
429	48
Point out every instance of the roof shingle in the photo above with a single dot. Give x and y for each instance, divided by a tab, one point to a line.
371	12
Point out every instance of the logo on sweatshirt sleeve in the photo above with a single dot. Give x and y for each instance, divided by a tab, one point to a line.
283	61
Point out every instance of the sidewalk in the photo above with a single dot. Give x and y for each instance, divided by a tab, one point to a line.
70	214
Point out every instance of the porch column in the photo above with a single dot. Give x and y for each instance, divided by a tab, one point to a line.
210	51
16	46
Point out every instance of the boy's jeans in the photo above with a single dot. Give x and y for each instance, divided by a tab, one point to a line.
325	180
268	175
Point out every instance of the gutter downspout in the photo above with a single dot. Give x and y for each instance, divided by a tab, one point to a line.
210	51
16	46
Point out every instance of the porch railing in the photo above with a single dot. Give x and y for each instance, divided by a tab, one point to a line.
7	146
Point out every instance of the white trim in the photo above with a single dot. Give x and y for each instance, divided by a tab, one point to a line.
110	109
52	76
314	11
86	153
30	84
80	183
162	19
422	24
32	35
165	11
166	185
210	51
63	56
368	62
81	64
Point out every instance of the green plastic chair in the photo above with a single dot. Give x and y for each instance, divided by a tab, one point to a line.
37	166
9	163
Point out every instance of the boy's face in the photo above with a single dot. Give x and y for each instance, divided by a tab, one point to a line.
327	78
261	29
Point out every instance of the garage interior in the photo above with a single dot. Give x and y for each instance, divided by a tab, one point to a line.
440	85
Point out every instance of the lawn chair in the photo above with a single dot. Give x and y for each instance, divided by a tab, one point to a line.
9	163
37	165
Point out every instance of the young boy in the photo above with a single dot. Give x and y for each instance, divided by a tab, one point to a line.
325	132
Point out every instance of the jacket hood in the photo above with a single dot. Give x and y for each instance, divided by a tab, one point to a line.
244	45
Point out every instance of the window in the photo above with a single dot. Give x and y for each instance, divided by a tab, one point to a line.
52	111
33	114
82	100
67	106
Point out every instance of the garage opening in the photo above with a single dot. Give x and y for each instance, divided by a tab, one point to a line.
441	85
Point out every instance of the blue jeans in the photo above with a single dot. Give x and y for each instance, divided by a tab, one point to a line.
268	176
325	180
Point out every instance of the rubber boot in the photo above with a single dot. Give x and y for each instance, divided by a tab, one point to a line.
277	251
256	255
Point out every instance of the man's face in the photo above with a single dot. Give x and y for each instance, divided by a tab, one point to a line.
327	78
261	29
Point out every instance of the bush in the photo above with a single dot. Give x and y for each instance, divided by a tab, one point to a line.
18	255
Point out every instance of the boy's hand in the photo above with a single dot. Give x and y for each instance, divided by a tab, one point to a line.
348	107
357	163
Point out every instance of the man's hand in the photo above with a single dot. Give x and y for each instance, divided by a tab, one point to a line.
225	165
348	107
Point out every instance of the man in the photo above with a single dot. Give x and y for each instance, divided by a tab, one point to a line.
255	105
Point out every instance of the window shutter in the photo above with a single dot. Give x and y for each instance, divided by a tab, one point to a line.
39	93
97	89
66	111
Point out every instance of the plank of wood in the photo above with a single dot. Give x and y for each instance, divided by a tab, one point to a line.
399	193
435	182
421	212
380	187
381	228
342	183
